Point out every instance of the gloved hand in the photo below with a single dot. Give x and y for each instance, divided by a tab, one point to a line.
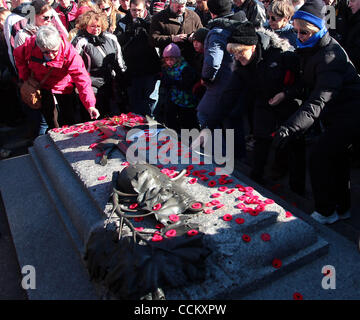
282	136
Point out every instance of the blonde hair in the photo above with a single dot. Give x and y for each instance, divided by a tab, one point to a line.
307	26
83	21
234	48
282	8
112	26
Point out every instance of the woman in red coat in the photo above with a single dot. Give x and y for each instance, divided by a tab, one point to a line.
50	50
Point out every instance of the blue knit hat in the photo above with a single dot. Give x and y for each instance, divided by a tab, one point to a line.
312	11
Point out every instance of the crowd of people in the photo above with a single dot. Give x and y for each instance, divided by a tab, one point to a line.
271	70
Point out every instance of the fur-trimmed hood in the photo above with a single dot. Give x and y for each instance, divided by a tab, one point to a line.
269	38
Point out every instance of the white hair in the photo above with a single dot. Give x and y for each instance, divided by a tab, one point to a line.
48	37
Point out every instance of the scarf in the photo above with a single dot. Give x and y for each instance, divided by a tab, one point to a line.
312	41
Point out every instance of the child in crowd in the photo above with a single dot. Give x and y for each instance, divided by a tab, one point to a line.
178	78
198	43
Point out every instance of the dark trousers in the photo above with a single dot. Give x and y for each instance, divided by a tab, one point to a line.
329	167
180	117
266	120
139	94
60	113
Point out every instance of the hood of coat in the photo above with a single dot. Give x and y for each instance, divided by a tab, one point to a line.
226	22
269	38
31	29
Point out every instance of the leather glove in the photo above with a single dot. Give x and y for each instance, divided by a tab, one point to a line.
282	137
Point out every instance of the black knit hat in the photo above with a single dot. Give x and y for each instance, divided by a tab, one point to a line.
312	11
219	7
38	5
200	34
243	33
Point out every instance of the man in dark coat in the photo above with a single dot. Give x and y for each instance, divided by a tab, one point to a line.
330	87
175	24
140	56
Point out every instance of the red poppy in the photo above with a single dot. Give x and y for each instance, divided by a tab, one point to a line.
215	195
253	212
222	189
159	226
249	189
160	166
276	263
215	202
92	146
156	238
218	206
227	217
192	232
211	173
246	238
208	211
288	214
157	207
196	205
212	183
171	233
174	218
193	181
298	296
102	178
201	163
208	204
139	228
133	206
265	237
269	201
204	179
239	220
138	219
240	206
230	191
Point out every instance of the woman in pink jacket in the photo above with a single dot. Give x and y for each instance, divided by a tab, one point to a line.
48	50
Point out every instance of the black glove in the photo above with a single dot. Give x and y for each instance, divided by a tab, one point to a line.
282	137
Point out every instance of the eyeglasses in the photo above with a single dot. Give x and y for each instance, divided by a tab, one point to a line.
106	9
302	32
47	18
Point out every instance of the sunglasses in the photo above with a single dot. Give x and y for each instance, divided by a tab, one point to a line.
47	18
106	9
273	18
302	32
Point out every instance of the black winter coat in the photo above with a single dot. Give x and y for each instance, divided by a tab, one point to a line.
102	56
352	40
139	53
274	68
254	11
329	83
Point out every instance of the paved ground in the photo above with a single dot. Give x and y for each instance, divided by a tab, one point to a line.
10	275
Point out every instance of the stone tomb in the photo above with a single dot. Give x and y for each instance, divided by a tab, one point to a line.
249	248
